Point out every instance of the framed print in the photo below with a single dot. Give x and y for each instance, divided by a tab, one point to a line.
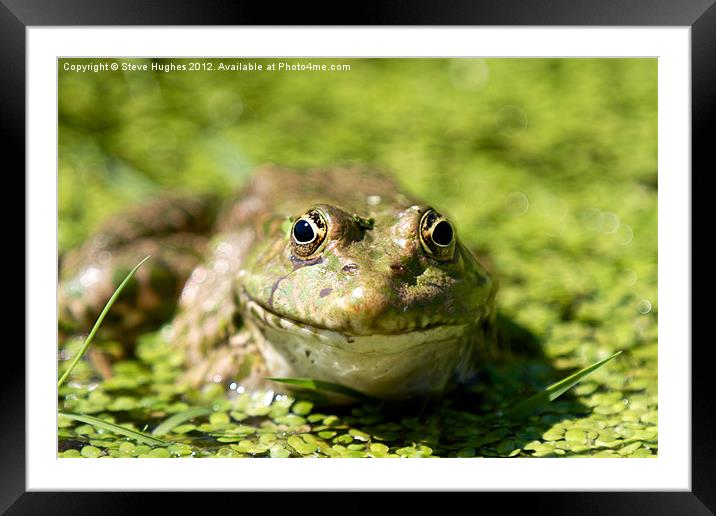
460	234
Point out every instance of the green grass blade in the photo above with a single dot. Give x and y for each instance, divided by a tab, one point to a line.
541	400
97	324
116	429
318	385
177	419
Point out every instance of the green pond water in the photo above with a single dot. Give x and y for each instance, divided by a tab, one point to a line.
549	167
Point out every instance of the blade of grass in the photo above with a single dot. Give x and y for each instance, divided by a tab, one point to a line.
541	400
318	385
116	429
177	419
97	324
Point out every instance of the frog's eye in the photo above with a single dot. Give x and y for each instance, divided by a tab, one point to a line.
308	233
437	236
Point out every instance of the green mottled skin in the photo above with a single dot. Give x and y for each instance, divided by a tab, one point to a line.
366	306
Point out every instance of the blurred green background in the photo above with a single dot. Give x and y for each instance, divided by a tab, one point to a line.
548	166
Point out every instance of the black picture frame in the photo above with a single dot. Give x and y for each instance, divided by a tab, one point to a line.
700	15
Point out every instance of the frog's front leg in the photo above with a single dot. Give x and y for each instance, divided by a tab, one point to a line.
208	327
237	359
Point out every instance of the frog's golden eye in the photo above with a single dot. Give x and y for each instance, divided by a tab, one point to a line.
308	234
437	236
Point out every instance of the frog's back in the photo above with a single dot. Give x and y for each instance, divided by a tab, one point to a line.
275	191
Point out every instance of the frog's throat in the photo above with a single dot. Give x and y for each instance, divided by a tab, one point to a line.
376	343
398	366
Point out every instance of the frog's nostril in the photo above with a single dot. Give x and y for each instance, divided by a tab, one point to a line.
398	268
350	268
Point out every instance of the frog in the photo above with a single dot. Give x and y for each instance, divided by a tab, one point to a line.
335	274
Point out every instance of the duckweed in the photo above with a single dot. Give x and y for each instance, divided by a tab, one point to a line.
358	435
183	429
302	408
90	452
279	452
301	446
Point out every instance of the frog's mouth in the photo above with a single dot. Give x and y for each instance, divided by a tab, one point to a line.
375	343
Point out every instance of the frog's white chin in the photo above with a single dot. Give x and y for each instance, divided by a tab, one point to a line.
387	366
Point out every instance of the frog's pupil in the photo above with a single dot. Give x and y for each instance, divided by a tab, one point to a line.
303	232
442	234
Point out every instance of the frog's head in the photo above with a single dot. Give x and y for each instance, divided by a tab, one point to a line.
384	302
